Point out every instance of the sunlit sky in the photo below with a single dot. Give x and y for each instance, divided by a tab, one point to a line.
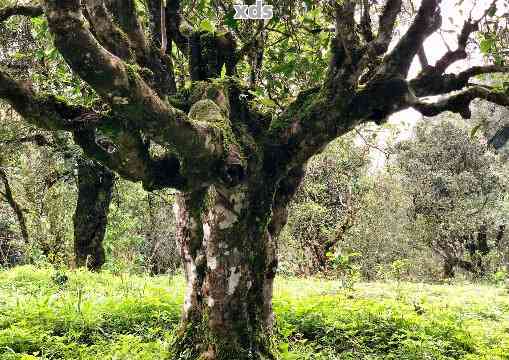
453	16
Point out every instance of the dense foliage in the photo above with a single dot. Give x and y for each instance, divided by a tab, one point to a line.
457	195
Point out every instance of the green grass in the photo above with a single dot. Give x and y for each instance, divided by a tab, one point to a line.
104	316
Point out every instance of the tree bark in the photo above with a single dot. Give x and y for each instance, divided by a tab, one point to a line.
230	263
95	185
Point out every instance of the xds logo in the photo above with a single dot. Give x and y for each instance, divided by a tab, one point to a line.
258	11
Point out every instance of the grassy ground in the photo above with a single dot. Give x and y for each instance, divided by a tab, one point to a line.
103	316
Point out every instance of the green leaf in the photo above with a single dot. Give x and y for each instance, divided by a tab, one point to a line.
283	347
285	68
18	55
206	25
492	11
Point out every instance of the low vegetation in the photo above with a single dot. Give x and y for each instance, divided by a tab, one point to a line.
50	314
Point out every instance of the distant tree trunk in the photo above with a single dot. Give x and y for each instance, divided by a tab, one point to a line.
161	248
448	268
342	229
95	185
483	249
153	240
14	205
473	268
502	245
451	262
482	240
478	248
500	236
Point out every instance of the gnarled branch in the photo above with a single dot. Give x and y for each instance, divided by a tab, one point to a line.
9	197
125	153
501	138
451	56
118	83
46	112
121	34
129	156
430	84
386	26
107	32
125	15
397	62
23	10
365	23
460	103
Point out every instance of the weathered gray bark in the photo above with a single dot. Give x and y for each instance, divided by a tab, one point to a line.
95	185
230	263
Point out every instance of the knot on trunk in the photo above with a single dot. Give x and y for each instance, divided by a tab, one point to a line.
210	115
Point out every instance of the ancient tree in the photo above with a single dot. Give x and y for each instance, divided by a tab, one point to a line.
236	167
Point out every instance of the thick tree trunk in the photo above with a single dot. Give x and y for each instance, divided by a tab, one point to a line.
230	263
95	185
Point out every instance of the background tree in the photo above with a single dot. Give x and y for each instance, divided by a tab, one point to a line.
455	194
95	186
43	175
236	166
325	207
140	235
20	41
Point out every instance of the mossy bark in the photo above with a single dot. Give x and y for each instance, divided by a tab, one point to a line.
95	185
230	263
